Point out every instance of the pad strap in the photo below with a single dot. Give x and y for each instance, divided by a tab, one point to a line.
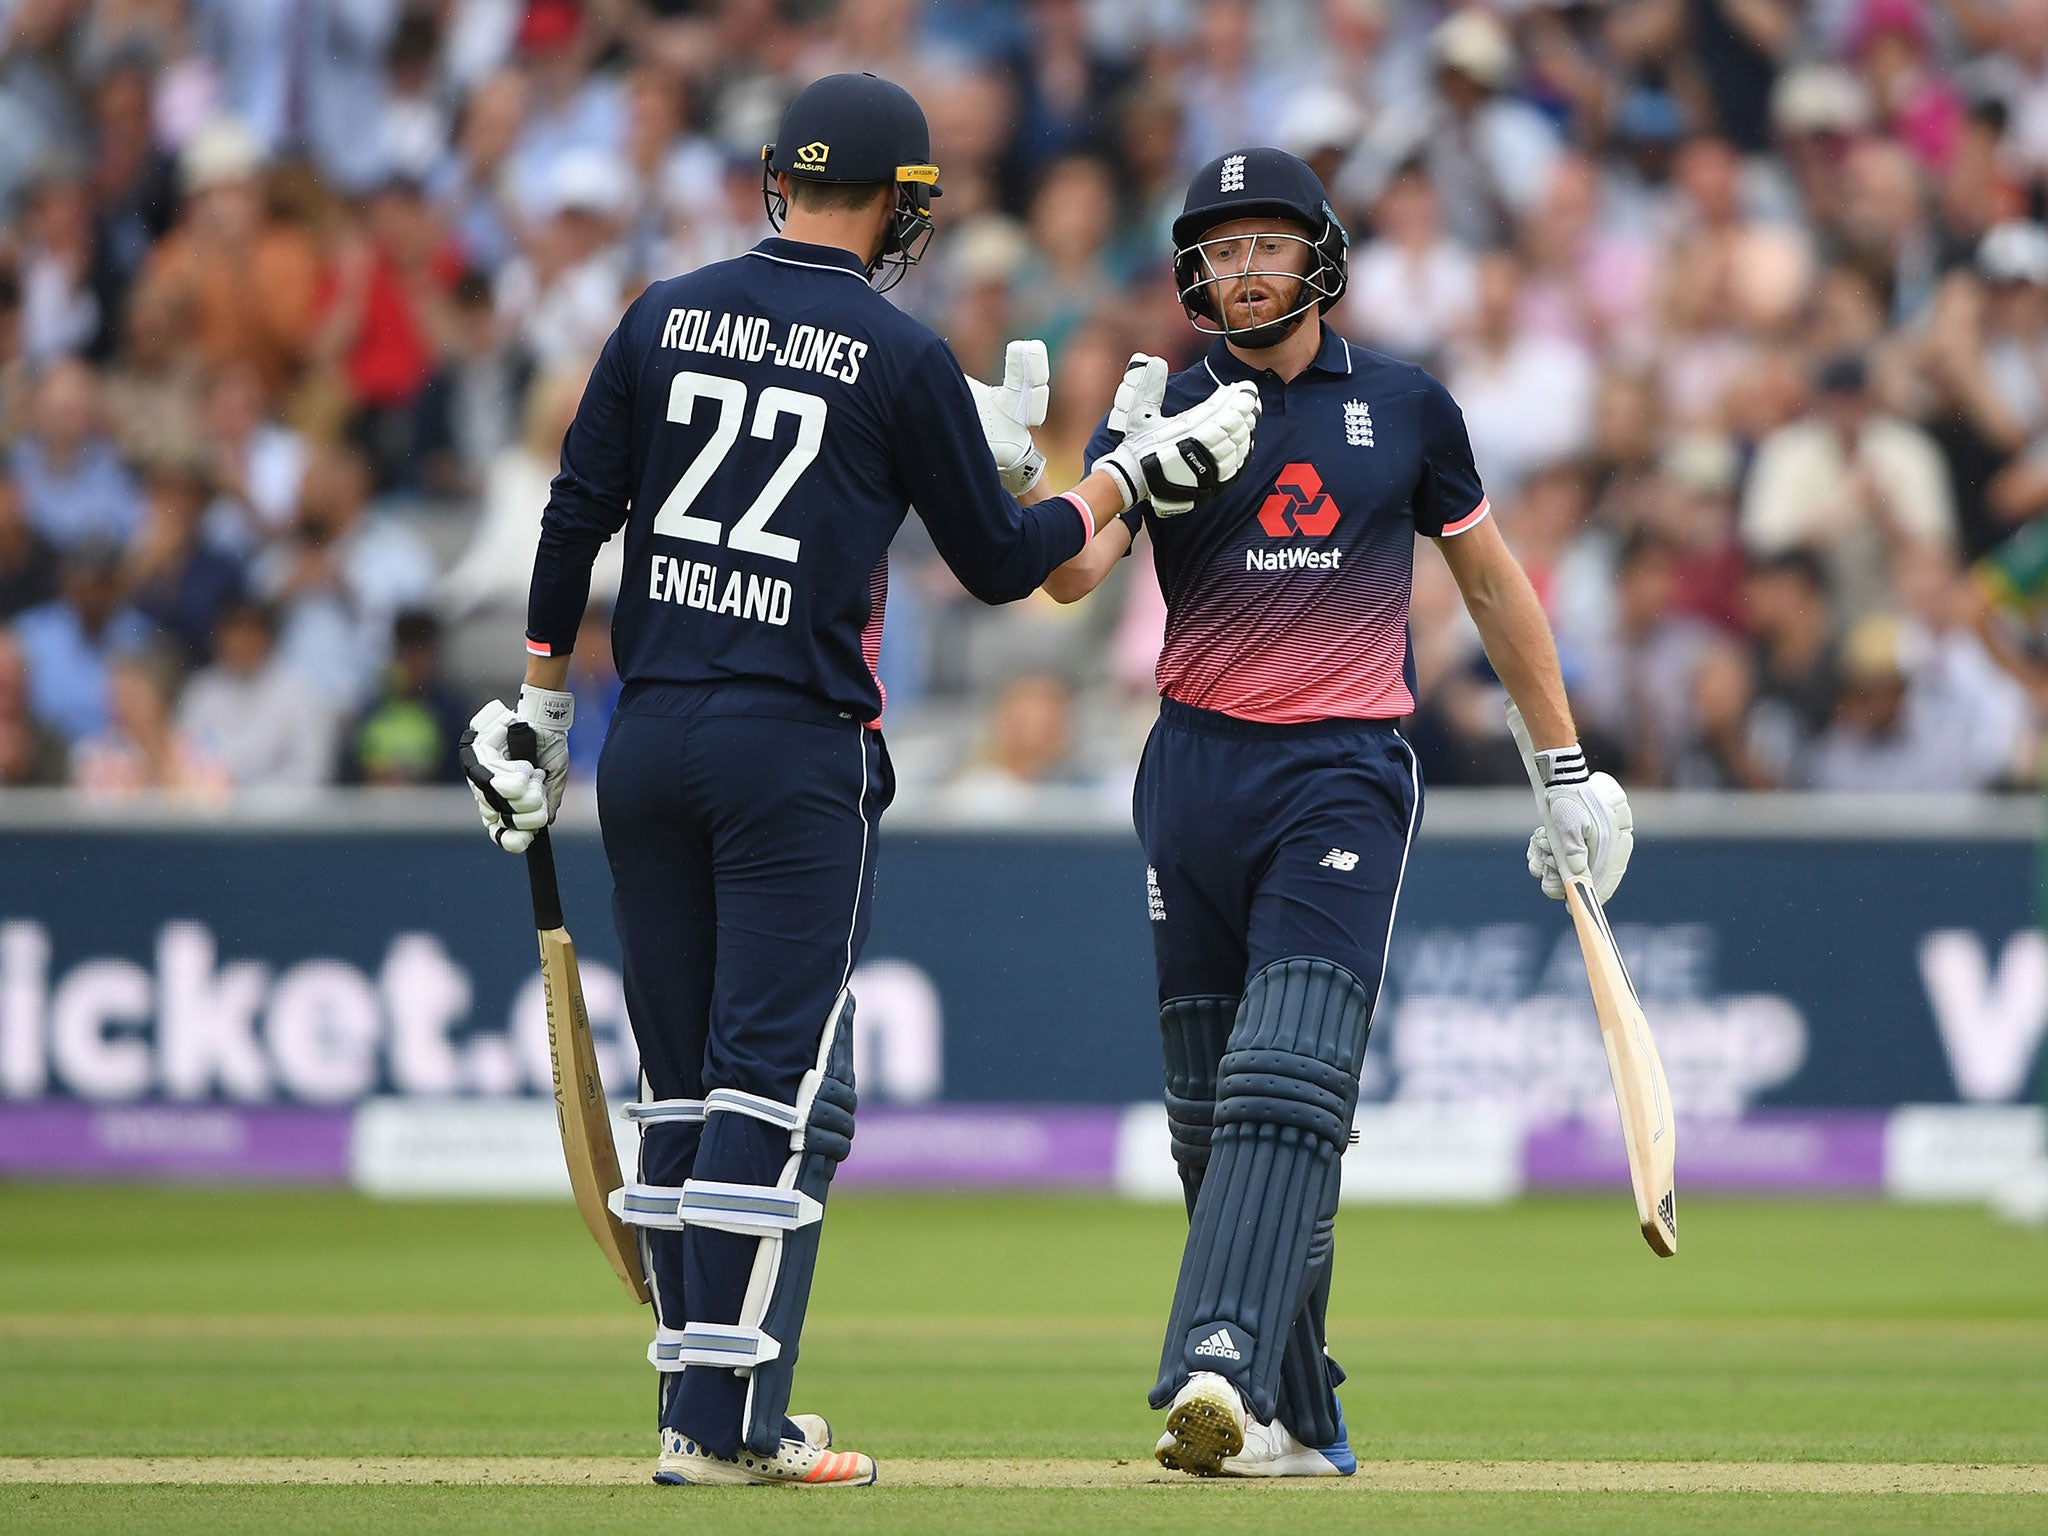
654	1111
719	1344
751	1210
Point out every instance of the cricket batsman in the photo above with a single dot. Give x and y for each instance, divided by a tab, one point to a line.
1277	799
758	429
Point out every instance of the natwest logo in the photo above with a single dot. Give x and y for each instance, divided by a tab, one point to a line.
1299	504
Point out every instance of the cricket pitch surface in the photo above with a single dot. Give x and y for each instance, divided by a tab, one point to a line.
201	1361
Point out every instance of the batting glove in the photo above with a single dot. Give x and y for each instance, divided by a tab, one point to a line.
1010	412
517	799
1176	462
1595	828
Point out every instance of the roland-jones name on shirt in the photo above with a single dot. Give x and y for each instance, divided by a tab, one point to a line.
745	339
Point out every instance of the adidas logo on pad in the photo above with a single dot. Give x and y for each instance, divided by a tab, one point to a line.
1219	1344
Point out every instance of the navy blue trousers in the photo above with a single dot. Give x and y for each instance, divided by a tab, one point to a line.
1265	843
739	822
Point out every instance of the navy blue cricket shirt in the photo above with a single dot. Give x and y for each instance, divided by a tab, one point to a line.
759	427
1287	593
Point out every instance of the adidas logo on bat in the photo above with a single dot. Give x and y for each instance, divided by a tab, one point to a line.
1668	1209
1219	1344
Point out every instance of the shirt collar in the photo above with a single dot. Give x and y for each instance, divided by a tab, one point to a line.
1332	357
800	253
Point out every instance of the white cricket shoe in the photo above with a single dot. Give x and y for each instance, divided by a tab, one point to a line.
1270	1450
796	1462
1205	1425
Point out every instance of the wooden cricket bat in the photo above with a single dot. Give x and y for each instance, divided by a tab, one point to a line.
1640	1092
581	1110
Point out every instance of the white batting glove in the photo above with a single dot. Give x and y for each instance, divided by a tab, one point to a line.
1594	826
516	799
1177	462
1009	412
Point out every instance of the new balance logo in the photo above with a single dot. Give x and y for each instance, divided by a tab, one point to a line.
1357	424
1340	859
1155	904
1233	174
1220	1344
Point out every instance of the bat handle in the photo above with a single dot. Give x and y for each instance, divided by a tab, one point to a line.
540	857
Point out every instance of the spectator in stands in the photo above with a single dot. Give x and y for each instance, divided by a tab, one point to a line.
257	462
133	179
1527	397
410	731
71	478
60	312
338	581
476	410
494	571
1067	277
31	754
174	576
1852	483
307	78
71	643
384	324
1412	286
1240	98
472	183
28	561
1894	47
1489	152
1879	741
152	391
249	714
141	749
1979	709
245	281
1793	663
1027	748
565	290
1638	692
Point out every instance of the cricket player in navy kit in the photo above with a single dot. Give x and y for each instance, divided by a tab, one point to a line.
1277	799
758	429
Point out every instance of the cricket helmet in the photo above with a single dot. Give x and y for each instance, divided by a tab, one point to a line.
859	129
1257	183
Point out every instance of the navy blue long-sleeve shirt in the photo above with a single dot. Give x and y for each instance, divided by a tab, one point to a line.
759	429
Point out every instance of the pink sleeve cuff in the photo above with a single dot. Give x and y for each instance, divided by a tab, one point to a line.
538	647
1471	519
1080	504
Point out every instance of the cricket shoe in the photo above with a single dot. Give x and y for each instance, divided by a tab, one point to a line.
796	1461
1270	1450
1205	1425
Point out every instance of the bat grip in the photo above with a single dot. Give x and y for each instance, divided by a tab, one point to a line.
524	746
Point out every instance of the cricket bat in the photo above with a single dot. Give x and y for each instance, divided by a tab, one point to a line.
1640	1092
580	1107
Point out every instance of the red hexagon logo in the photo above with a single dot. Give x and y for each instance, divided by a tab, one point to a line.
1299	504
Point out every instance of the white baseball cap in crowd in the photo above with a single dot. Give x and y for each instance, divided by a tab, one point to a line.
2015	252
1474	44
223	150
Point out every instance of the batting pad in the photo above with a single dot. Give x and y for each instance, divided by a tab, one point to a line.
1193	1034
1259	1236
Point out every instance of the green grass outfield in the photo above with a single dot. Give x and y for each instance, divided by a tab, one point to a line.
473	1367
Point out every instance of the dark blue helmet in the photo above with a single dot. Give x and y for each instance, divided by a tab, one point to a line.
862	129
1257	183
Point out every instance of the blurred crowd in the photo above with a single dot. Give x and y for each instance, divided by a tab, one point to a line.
1746	303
